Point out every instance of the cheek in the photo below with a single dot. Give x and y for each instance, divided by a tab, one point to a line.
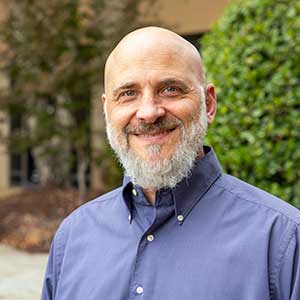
119	118
186	111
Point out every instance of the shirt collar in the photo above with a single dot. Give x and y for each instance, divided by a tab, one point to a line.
190	190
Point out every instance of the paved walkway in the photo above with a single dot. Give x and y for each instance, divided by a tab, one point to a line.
21	274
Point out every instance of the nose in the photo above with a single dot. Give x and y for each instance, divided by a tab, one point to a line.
149	110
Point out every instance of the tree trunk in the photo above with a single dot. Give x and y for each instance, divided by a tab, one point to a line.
42	166
97	140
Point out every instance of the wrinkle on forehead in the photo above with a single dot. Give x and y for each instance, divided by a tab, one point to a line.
150	42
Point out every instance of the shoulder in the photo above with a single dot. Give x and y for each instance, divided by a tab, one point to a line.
83	217
100	201
89	210
243	192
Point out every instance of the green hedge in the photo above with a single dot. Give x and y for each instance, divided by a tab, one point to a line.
252	55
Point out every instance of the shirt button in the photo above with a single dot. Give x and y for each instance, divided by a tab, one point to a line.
150	238
139	290
134	192
180	218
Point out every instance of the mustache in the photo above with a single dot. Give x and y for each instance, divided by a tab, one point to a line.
160	125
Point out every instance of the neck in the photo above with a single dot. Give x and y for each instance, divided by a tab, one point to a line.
150	194
200	153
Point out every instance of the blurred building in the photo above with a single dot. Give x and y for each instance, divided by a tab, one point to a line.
190	18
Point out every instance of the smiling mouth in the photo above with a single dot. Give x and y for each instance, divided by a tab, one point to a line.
154	133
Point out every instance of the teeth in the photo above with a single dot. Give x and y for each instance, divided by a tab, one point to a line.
154	134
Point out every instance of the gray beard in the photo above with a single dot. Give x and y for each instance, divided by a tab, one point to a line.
164	173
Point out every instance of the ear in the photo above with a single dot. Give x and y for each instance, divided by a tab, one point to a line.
103	98
211	102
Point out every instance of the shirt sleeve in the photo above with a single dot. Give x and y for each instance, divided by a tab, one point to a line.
288	283
54	265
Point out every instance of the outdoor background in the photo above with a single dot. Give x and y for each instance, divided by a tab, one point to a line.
53	150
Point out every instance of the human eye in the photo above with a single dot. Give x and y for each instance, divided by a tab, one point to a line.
127	95
171	90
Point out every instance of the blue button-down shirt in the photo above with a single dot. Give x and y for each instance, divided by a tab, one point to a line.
213	237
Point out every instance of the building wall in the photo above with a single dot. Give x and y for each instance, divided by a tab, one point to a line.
4	157
4	130
186	17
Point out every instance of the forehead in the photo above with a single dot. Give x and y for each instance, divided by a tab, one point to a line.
148	64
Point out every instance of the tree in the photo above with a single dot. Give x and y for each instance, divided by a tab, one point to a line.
54	54
252	55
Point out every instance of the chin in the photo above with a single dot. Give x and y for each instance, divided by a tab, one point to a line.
154	153
154	158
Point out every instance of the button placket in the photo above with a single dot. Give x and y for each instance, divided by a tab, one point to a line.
139	279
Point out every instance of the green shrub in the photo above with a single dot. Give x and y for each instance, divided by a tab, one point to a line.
252	55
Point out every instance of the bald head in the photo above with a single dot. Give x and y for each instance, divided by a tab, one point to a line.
152	41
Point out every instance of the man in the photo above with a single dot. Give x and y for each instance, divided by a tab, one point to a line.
177	229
